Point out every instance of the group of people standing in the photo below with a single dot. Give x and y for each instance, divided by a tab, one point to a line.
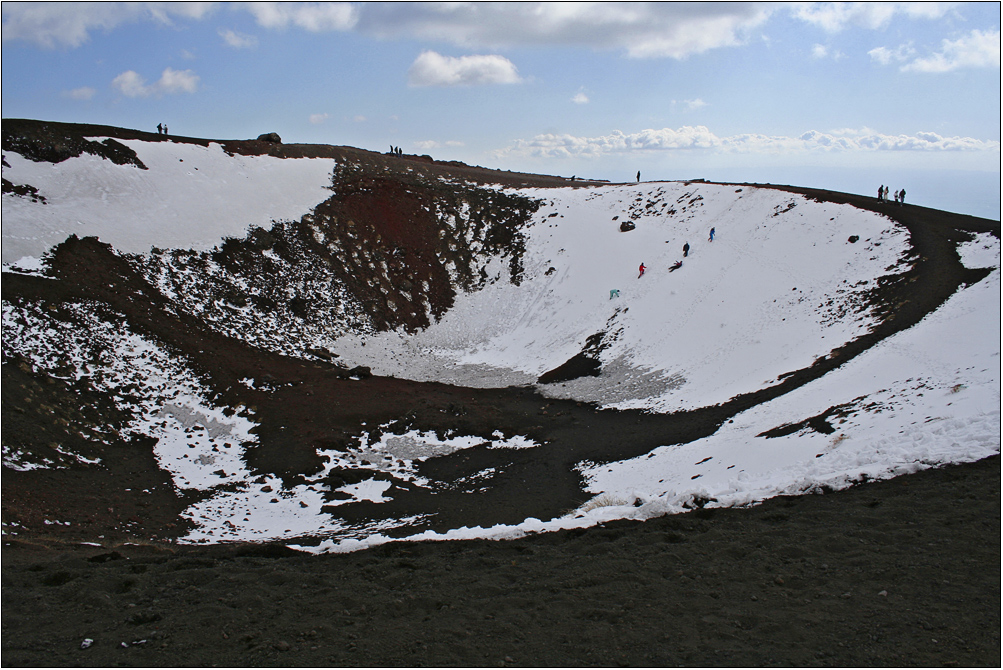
883	195
396	151
161	128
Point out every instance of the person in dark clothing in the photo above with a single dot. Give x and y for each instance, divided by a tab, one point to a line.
160	129
901	196
881	192
165	129
686	250
638	176
675	266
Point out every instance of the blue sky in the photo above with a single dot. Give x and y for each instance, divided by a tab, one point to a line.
838	95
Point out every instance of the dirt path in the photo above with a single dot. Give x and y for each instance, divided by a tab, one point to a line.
904	572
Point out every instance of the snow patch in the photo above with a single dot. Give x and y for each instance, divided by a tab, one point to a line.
191	197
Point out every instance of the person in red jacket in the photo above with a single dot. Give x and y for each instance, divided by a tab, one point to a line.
642	269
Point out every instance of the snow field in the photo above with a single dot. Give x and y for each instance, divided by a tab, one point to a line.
927	396
189	197
763	299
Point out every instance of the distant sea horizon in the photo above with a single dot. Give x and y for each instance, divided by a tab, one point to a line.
972	192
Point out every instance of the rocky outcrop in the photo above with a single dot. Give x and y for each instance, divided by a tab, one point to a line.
54	143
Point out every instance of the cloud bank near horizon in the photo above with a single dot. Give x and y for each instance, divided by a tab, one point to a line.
690	138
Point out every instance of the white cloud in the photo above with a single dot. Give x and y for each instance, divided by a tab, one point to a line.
82	93
238	40
696	103
69	24
359	118
132	85
885	56
432	69
177	81
820	51
836	16
642	29
318	119
428	145
580	98
977	49
315	17
560	146
691	138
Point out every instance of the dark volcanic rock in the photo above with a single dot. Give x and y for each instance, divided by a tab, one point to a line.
270	137
583	364
23	191
52	143
579	365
